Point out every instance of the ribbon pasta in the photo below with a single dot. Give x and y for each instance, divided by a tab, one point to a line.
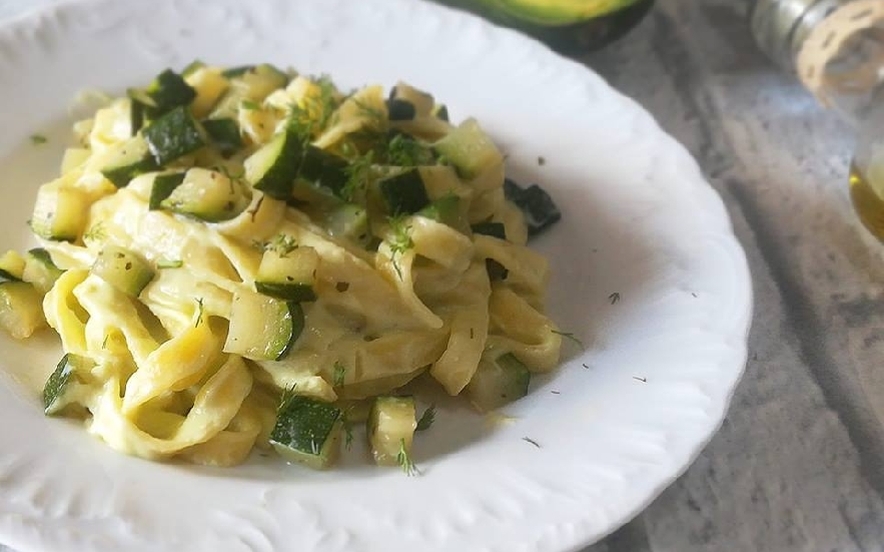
412	294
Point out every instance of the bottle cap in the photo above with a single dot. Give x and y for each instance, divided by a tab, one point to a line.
834	59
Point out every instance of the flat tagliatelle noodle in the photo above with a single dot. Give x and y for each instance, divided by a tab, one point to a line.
415	290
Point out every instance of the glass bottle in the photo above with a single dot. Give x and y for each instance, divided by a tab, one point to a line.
836	48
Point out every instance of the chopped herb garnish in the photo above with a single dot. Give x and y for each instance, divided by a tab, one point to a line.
404	460
427	418
403	151
570	336
288	393
400	242
167	263
614	297
348	435
340	373
282	244
38	139
585	366
376	115
532	441
250	105
95	233
104	343
199	312
358	173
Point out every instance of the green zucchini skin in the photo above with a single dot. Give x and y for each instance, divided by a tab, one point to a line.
308	432
404	193
133	158
498	383
40	270
225	135
61	382
323	169
174	135
493	229
273	168
537	206
163	186
168	91
263	327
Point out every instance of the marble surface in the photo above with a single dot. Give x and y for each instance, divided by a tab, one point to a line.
797	464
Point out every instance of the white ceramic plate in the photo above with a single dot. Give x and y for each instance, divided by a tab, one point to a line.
629	413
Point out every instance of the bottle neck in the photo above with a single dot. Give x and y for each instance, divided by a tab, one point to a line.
836	48
781	26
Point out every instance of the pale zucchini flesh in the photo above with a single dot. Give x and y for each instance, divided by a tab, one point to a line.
21	309
391	424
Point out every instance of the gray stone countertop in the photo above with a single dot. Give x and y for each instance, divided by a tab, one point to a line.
797	464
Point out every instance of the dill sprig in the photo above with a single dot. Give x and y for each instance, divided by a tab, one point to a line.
199	312
400	240
312	116
404	460
282	244
427	418
339	374
376	116
358	174
403	151
288	393
96	232
532	441
570	336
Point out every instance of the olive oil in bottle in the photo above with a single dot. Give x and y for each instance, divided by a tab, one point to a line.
836	48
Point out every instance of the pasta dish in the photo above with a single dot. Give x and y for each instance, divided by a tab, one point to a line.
248	257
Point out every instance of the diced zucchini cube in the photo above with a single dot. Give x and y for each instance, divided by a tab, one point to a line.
262	327
391	424
12	265
288	275
58	388
169	90
60	213
469	149
404	192
421	102
21	309
40	270
128	160
308	432
348	221
493	229
174	135
207	195
323	169
274	167
498	383
124	269
225	135
163	186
